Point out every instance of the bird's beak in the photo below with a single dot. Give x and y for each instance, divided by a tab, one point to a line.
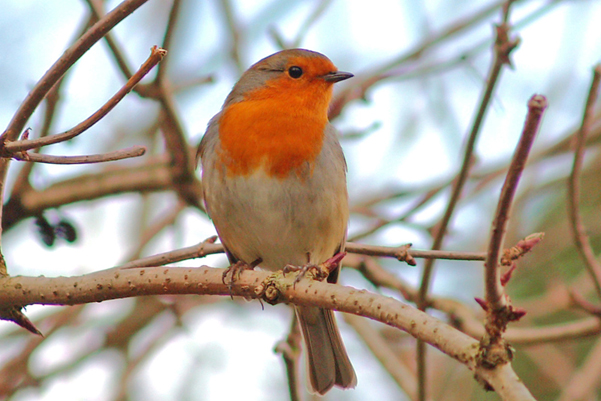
337	76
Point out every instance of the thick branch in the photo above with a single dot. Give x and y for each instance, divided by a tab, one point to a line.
150	176
123	283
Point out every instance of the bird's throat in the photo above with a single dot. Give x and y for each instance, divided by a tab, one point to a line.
281	136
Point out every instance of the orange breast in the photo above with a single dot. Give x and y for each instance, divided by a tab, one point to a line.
279	130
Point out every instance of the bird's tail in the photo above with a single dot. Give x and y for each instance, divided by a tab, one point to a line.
327	361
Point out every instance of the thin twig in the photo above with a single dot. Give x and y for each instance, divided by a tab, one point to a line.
319	10
584	383
464	317
96	6
387	357
207	247
134	151
494	288
502	49
65	62
562	332
367	80
581	238
399	252
167	38
167	218
291	350
156	56
419	204
234	29
51	103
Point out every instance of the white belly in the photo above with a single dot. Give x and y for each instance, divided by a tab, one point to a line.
281	221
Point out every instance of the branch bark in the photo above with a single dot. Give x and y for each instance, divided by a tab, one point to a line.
128	282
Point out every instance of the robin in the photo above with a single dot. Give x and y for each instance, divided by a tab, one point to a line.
274	184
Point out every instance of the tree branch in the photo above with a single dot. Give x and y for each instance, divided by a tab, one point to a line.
290	349
156	56
578	229
65	62
134	151
494	290
153	175
379	347
502	50
585	381
123	283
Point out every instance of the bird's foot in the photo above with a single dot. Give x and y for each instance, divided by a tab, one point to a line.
235	271
317	272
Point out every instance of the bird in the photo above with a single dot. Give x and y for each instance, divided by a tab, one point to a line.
273	179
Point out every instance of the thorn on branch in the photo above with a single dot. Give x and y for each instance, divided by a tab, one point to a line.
14	314
483	304
507	275
516	313
506	314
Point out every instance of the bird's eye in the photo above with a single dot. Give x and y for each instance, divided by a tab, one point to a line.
295	72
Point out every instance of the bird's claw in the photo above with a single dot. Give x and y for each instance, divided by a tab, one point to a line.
317	272
234	271
302	271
